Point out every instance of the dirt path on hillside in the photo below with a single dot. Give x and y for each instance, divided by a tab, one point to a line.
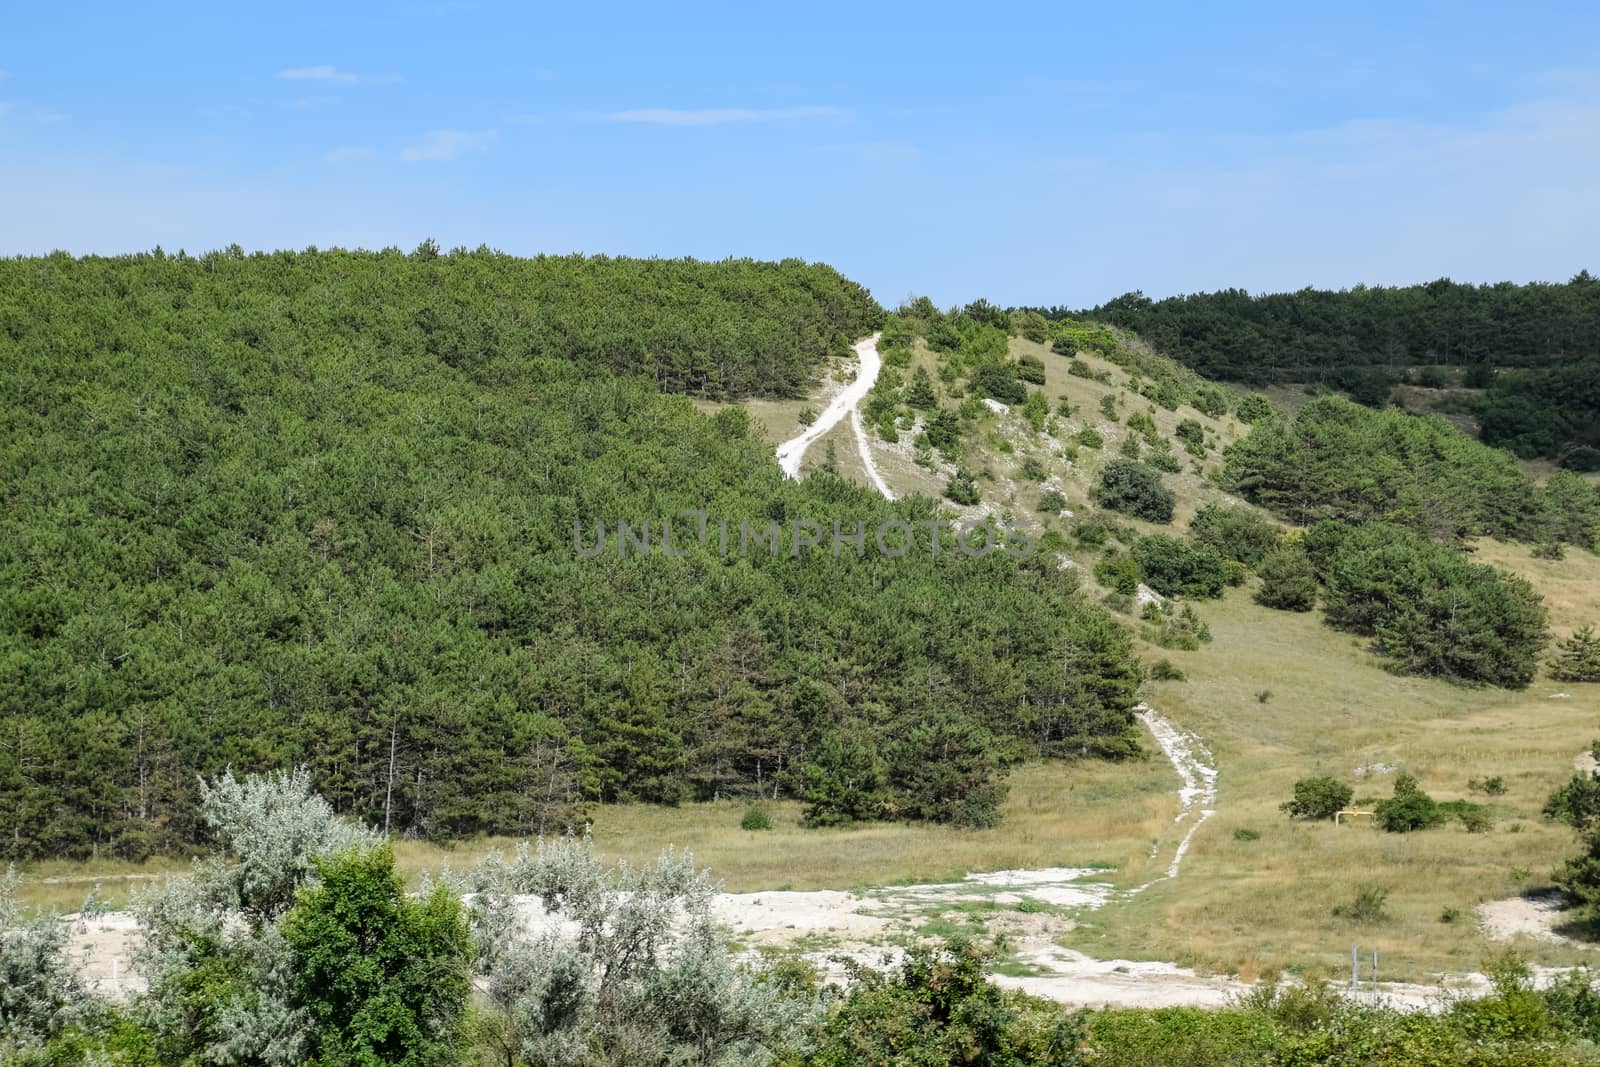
846	404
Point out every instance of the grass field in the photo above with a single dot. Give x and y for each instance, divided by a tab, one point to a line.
1266	904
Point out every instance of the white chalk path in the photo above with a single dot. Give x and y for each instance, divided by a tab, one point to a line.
847	403
1199	790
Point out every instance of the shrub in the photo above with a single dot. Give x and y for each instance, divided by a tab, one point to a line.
1263	696
1033	470
999	381
382	977
1367	906
1142	424
1236	532
1031	369
1253	407
1089	533
1318	798
1135	489
40	991
1209	399
1118	573
1577	803
1185	631
1052	502
962	488
1450	915
1176	567
1163	670
1577	657
1079	369
1193	436
1088	437
1242	834
1494	786
1108	405
1584	459
1409	809
756	817
649	979
1162	459
1288	580
807	416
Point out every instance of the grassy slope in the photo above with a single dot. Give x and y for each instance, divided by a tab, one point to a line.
1262	905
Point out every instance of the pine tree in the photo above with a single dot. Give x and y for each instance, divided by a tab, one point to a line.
1578	658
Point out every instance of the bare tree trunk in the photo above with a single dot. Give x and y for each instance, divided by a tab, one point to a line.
388	795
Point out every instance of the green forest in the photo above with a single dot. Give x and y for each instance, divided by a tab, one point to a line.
1534	349
320	508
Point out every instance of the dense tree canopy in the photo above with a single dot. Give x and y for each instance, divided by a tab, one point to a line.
1309	335
326	508
1536	347
1339	460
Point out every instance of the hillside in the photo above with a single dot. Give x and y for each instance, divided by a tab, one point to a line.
1275	695
1527	355
345	510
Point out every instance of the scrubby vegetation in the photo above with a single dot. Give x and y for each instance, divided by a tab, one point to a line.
1318	798
1131	487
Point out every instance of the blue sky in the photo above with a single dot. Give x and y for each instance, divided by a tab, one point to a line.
1030	154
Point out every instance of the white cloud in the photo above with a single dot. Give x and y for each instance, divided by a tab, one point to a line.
718	116
322	73
439	146
346	153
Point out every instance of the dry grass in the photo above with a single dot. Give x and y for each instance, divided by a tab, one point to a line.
1253	906
1084	814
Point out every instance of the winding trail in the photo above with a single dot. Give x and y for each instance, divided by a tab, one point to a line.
1199	790
847	403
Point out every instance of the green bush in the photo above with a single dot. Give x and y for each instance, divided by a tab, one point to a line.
962	488
1494	786
1409	809
1253	408
1088	437
1052	502
1288	580
756	817
1118	573
1577	657
1163	670
1243	834
1367	906
382	977
1173	566
1135	489
1236	532
999	380
1318	798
